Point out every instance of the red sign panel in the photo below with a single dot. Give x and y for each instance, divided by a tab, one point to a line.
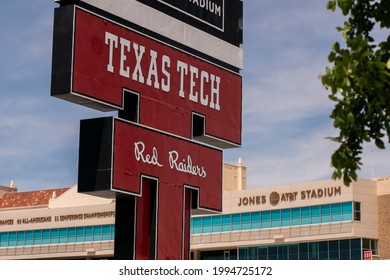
115	155
140	151
173	85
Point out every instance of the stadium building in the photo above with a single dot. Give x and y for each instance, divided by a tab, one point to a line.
322	220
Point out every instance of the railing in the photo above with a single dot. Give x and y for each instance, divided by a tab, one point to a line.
82	250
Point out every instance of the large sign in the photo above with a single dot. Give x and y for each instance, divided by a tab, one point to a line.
170	87
121	157
95	60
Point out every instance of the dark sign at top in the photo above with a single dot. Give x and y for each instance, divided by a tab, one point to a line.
208	11
220	18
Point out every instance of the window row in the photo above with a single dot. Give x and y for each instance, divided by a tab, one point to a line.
350	249
328	213
57	235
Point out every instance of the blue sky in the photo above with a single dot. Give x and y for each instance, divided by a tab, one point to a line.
285	107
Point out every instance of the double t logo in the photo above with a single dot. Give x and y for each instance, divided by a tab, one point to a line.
147	157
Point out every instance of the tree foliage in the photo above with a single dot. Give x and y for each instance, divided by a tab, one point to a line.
359	83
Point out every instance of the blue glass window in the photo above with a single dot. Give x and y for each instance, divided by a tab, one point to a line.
273	252
262	253
265	219
54	236
245	221
356	249
323	250
106	229
315	214
80	232
336	212
37	237
283	252
243	253
197	222
305	215
216	223
3	239
347	211
113	229
12	239
29	237
21	238
286	217
88	234
345	250
71	234
293	252
226	222
97	233
333	250
325	214
252	253
303	251
46	236
236	221
206	224
256	223
275	218
191	226
296	216
313	250
63	235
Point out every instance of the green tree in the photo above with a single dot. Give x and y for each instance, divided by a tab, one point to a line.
359	82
